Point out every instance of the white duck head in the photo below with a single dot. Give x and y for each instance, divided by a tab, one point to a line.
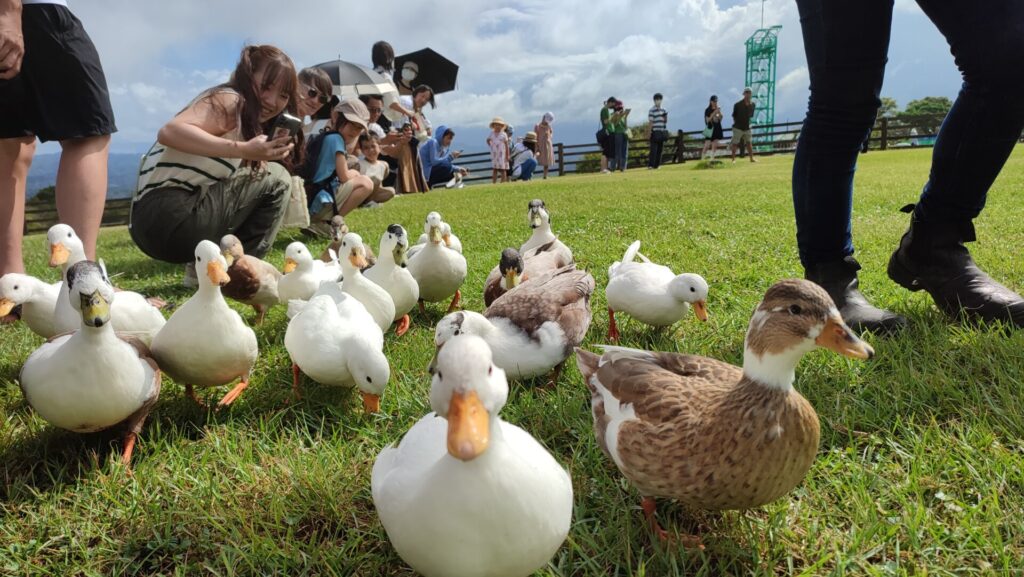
469	391
211	266
460	323
65	247
16	289
297	256
537	214
691	288
511	267
90	293
795	317
434	228
352	254
395	241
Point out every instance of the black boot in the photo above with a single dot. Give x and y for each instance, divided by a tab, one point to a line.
839	279
932	256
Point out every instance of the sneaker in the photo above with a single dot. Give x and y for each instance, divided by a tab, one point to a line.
191	279
370	204
318	229
451	183
606	171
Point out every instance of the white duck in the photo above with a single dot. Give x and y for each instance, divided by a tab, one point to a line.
131	313
334	340
438	269
450	240
206	343
303	274
532	328
92	379
392	274
37	299
540	221
651	293
376	300
465	493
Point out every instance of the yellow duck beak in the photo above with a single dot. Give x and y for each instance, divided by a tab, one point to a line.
357	259
838	337
289	265
59	254
536	221
435	234
229	258
700	308
6	305
216	273
511	279
371	403
95	310
468	426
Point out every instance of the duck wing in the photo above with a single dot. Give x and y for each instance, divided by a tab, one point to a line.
561	295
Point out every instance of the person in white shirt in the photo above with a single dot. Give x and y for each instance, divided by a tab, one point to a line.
376	169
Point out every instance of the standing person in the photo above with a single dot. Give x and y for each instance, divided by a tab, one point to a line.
742	112
52	88
497	142
608	127
713	127
977	136
657	121
621	137
410	177
212	170
545	136
382	55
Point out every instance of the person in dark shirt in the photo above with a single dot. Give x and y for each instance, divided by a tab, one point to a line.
742	112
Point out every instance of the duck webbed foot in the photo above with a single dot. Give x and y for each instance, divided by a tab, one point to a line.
190	392
613	329
234	393
403	325
455	302
295	382
687	541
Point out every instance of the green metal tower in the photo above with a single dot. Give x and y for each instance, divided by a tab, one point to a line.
761	50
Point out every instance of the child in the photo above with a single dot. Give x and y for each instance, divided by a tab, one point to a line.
497	141
371	165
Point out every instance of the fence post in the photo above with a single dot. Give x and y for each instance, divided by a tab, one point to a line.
561	158
885	134
680	151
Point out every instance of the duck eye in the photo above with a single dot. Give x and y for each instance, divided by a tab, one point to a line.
368	379
693	290
490	370
199	259
15	287
439	376
795	309
69	235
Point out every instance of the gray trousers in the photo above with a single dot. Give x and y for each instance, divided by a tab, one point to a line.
168	223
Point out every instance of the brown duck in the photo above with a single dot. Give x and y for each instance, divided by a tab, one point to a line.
338	231
515	268
253	281
709	434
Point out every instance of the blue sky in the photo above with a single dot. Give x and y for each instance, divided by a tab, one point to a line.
518	59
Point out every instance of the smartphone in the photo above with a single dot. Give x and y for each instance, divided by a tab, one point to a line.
285	125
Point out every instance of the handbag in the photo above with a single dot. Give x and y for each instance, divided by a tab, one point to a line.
296	212
707	132
602	135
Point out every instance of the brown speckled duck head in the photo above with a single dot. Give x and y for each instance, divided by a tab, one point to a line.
537	214
468	390
352	254
795	317
395	241
231	248
338	228
511	267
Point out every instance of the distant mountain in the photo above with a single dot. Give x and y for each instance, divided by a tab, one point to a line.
121	173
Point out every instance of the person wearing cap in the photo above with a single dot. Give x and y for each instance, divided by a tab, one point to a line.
337	165
497	141
742	112
213	170
524	160
712	127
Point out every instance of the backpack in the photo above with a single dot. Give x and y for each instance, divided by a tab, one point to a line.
308	169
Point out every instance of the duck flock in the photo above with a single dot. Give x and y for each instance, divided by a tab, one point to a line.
707	433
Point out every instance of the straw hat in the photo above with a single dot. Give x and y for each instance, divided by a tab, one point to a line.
497	120
530	137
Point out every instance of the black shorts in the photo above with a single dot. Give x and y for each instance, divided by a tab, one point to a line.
61	92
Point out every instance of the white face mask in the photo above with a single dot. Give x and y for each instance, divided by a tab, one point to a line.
408	74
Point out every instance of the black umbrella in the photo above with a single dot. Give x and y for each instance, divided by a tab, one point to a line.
353	80
435	70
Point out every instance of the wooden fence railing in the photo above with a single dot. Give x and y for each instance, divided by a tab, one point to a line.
39	217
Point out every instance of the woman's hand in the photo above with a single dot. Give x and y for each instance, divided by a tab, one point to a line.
259	148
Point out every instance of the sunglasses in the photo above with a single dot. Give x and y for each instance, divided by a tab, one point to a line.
375	109
314	93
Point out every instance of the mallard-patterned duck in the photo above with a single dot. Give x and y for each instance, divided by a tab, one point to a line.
651	293
710	434
514	268
206	343
253	281
92	379
464	493
532	328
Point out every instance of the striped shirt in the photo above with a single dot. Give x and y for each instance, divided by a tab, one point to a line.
166	167
658	118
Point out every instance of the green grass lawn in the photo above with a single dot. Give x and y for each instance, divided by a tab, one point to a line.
920	471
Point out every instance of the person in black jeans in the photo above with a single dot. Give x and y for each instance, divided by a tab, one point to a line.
846	45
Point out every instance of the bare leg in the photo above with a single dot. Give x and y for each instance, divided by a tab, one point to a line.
403	325
361	191
455	301
234	393
688	541
423	309
604	163
190	391
732	149
750	151
82	187
545	173
15	160
613	329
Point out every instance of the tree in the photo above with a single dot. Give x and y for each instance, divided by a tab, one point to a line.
929	105
889	108
46	195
